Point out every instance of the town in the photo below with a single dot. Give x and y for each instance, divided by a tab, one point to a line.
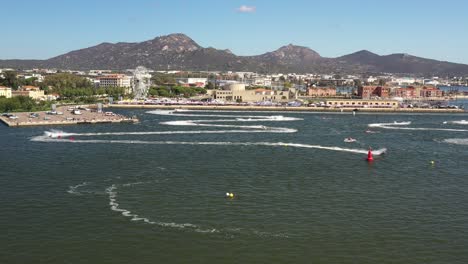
50	86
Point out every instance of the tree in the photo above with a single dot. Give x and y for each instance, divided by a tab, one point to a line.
382	82
209	86
10	80
357	83
162	79
66	80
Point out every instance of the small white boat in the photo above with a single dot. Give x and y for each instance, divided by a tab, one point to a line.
349	140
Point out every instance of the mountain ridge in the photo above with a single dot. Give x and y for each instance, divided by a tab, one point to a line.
179	52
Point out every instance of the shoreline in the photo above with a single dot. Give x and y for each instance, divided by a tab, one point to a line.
90	117
286	108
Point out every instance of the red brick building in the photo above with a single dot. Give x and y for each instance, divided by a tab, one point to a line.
322	91
367	92
416	92
430	92
408	92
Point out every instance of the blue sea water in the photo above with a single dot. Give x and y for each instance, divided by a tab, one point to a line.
128	193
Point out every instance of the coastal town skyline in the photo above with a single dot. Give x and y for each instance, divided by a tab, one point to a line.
332	29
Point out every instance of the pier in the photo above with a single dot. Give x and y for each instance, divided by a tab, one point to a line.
64	115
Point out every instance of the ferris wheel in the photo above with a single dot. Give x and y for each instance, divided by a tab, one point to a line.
141	82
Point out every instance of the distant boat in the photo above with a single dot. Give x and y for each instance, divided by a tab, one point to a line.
349	140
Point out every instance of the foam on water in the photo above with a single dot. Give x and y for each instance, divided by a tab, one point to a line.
456	141
395	123
73	189
269	144
241	118
114	206
400	126
460	122
252	129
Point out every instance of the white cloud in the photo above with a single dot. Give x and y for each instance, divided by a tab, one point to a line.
246	9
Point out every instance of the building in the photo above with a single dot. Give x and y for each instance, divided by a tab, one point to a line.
197	82
236	92
362	103
38	76
367	92
412	92
408	92
404	81
430	92
5	91
31	91
114	80
321	91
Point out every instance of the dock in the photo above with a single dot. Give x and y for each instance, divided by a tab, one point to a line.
64	115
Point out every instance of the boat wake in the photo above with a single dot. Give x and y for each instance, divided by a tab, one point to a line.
402	126
65	137
456	141
115	206
216	143
460	122
73	189
244	118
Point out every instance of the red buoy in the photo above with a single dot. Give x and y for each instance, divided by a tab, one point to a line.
72	138
370	158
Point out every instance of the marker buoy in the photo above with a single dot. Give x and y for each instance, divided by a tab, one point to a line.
229	195
432	162
370	158
72	138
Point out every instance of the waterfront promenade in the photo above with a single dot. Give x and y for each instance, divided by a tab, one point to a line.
287	108
65	115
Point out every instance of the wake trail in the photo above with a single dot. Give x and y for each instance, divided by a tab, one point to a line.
269	144
115	206
401	126
246	118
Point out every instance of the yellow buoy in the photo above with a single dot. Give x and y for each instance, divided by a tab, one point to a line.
432	162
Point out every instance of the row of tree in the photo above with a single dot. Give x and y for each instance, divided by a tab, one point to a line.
71	93
22	104
175	91
61	81
10	79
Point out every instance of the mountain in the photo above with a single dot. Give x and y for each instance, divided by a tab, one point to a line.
401	63
179	52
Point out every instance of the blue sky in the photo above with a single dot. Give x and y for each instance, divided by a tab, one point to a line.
40	29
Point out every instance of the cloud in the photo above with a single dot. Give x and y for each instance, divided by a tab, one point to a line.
246	9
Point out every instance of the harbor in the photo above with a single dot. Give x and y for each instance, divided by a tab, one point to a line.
287	108
64	115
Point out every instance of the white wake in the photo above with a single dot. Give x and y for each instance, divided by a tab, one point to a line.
402	126
65	137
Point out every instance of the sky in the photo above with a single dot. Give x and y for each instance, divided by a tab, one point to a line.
41	29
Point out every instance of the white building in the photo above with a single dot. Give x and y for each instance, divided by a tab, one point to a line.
192	81
5	91
114	80
39	77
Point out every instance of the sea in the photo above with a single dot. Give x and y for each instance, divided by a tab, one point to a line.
155	191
